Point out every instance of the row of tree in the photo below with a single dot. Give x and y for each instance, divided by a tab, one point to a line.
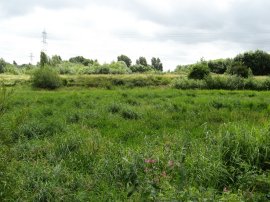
255	62
82	65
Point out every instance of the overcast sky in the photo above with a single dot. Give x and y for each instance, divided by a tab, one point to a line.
177	31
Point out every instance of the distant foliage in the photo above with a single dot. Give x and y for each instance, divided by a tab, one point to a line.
225	83
138	68
82	60
43	59
258	61
239	69
199	71
56	59
113	68
125	59
182	68
46	78
219	66
156	64
2	65
142	61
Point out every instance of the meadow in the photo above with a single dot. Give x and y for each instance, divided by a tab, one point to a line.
133	143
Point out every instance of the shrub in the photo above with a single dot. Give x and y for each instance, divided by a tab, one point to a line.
140	68
199	71
118	68
219	66
46	78
189	84
266	84
216	82
240	70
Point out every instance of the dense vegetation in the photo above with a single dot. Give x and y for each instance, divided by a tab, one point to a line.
80	65
135	137
134	144
252	62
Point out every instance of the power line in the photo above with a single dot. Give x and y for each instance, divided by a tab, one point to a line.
31	56
44	41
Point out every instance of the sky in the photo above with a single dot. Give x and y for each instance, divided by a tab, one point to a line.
177	31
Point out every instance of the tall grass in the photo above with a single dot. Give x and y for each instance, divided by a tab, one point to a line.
136	144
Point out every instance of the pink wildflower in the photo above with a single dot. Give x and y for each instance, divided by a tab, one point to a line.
164	174
150	161
225	189
171	163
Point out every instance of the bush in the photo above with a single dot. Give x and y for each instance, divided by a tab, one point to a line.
219	66
140	68
118	68
199	71
189	84
240	70
46	78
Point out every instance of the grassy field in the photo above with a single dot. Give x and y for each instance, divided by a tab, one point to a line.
134	144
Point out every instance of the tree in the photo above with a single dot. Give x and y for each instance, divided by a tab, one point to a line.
125	59
258	61
142	61
240	70
82	60
15	63
2	65
199	71
156	64
219	66
56	59
43	59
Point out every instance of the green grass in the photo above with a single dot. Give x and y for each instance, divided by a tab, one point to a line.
135	144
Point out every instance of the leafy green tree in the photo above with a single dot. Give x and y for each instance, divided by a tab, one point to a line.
258	61
2	65
199	71
142	61
219	66
125	59
119	67
82	60
43	59
15	63
156	64
240	70
56	59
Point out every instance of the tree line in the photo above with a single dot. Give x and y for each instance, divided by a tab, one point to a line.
82	65
243	65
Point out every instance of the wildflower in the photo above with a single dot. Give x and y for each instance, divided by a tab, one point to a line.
150	161
225	189
164	174
146	170
171	163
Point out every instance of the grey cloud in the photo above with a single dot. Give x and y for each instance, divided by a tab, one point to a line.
245	22
12	8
